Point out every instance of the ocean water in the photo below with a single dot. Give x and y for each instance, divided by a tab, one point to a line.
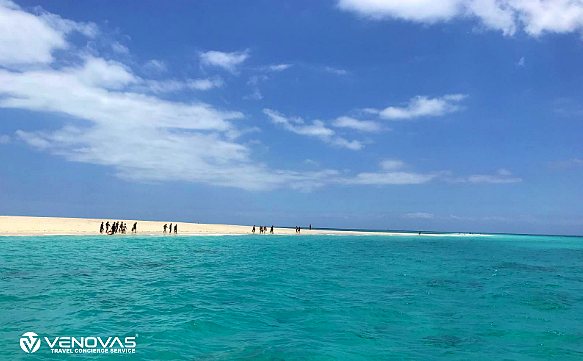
298	297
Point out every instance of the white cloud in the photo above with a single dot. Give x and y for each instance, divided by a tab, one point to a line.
255	95
279	67
568	163
419	215
392	164
316	129
27	39
521	62
120	48
502	176
356	124
422	106
416	10
172	86
336	71
391	173
227	61
155	66
100	72
391	178
535	17
205	84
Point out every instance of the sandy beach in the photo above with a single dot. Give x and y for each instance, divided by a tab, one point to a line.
31	226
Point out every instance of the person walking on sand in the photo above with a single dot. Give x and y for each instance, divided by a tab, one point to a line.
101	228
175	228
107	227
135	227
165	226
271	230
170	229
253	229
310	226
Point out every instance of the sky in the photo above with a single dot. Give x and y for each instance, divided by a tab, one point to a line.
457	115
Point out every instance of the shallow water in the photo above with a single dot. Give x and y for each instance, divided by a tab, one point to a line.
298	297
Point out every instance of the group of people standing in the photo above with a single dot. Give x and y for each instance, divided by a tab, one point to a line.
262	229
116	227
169	228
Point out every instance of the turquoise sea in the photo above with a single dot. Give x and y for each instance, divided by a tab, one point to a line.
498	297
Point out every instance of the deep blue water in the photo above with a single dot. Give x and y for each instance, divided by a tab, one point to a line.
298	297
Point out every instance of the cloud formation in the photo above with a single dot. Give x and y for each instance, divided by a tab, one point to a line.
356	124
422	106
115	117
534	17
392	172
501	176
27	39
419	215
316	129
227	61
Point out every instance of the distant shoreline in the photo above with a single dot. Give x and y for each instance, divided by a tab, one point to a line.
61	226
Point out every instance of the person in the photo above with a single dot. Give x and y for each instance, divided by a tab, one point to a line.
260	229
310	226
101	228
271	230
107	227
135	228
170	229
175	228
299	229
253	229
165	226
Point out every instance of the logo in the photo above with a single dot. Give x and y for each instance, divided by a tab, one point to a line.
29	342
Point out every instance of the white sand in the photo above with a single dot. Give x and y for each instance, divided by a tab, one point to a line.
30	226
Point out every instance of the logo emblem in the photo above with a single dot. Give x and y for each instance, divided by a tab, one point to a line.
29	342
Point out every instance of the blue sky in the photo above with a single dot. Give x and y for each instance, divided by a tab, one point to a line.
461	115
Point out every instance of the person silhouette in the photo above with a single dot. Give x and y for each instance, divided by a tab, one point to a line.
135	228
101	228
175	228
107	227
271	230
165	226
170	229
253	229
